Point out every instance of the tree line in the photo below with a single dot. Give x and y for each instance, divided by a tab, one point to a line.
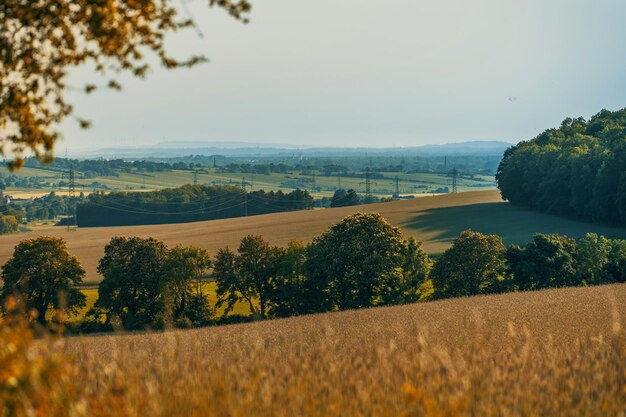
360	262
577	169
188	203
91	168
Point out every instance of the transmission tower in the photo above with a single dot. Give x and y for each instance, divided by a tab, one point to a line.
455	176
71	194
396	187
72	183
339	181
245	197
368	182
195	177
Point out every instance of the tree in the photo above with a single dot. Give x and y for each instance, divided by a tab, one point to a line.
133	282
592	259
42	274
343	198
616	267
548	261
471	266
415	270
291	293
183	268
41	42
349	262
8	224
247	276
576	169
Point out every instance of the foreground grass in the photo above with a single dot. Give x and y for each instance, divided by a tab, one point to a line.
550	353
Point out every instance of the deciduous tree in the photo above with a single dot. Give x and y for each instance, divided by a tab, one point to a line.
351	260
42	274
247	276
548	261
133	281
471	266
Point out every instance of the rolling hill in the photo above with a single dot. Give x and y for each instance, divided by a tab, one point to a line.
433	220
548	353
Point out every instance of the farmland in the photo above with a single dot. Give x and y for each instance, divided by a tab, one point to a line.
555	352
319	186
433	220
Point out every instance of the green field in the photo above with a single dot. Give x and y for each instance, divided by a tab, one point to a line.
319	186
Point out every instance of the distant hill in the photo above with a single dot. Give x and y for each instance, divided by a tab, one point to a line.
244	149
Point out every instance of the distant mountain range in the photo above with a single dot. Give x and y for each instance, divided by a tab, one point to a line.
247	149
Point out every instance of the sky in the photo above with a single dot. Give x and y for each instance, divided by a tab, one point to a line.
369	73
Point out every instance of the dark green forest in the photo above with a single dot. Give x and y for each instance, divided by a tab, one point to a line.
576	170
188	203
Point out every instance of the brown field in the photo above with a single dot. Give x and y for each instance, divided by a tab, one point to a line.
433	220
550	353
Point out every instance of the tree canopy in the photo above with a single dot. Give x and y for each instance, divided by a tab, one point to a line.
41	40
577	169
353	257
471	266
247	275
42	274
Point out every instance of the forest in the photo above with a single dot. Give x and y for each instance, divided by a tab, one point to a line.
188	203
576	170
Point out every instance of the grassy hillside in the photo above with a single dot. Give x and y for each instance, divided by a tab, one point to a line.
549	353
432	220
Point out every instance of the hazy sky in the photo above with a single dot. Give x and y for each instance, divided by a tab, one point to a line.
372	73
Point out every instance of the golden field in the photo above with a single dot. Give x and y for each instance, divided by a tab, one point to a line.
209	288
550	353
433	220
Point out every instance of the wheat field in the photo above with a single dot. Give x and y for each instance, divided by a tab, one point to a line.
551	353
435	221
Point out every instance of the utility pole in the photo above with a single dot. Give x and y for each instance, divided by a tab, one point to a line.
455	175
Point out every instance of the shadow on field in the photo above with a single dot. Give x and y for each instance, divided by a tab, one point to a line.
514	224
